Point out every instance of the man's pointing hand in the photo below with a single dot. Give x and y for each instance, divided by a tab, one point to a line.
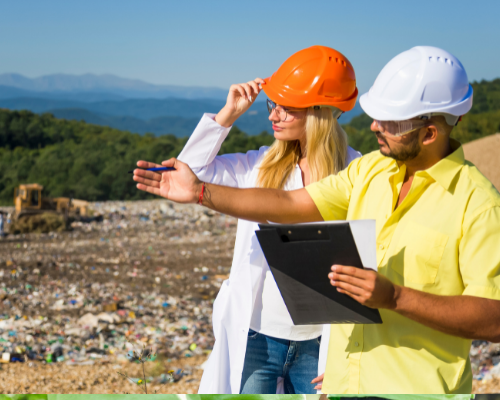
181	185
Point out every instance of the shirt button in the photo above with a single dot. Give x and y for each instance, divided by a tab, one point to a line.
356	344
381	247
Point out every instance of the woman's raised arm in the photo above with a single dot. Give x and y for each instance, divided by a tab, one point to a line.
200	152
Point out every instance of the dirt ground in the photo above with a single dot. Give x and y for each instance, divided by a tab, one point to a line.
489	386
99	378
485	155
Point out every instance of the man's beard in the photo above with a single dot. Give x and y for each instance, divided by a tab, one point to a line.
407	153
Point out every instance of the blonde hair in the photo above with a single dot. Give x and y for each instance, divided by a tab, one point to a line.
326	151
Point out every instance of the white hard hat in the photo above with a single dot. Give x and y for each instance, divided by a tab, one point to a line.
422	80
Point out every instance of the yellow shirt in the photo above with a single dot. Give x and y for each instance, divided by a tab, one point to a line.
443	239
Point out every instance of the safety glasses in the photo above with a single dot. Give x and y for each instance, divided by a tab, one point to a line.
399	128
288	114
283	113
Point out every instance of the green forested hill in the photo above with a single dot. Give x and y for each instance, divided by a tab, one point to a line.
87	161
91	162
482	120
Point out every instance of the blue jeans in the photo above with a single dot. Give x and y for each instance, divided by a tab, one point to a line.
268	359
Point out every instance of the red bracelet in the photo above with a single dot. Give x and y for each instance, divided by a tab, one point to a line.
200	199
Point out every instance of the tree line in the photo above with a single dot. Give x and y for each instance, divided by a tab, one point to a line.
73	158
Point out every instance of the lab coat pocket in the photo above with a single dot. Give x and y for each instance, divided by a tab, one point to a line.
423	250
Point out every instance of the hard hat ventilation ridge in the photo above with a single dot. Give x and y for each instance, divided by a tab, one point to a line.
441	59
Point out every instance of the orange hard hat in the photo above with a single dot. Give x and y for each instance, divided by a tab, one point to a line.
318	75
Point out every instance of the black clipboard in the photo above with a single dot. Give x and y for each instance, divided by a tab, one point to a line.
300	258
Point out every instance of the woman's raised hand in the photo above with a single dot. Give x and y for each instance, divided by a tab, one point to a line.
241	96
181	185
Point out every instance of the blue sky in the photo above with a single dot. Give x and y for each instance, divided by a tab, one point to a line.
216	43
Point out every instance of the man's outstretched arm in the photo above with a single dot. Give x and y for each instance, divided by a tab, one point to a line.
261	205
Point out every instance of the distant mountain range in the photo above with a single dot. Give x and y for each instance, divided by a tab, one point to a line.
126	104
138	108
57	84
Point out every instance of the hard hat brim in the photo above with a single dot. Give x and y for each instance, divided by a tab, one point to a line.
283	97
374	110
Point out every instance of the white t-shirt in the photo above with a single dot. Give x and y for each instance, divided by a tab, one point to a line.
270	315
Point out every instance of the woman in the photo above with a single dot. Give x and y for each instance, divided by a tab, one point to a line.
257	345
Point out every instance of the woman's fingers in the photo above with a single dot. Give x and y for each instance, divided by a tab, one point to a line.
248	90
318	379
239	89
255	86
147	182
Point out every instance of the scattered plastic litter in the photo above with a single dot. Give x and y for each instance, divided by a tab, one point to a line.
485	360
146	275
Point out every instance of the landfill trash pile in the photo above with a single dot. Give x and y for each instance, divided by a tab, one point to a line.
485	360
75	304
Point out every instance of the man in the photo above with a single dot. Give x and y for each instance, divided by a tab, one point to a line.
438	229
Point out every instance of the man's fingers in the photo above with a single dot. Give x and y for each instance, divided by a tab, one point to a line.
148	189
356	290
348	270
348	279
147	182
146	164
169	163
147	174
359	299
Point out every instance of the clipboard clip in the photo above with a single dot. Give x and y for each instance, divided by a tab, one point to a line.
303	234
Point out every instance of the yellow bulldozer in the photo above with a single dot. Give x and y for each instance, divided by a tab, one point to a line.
34	213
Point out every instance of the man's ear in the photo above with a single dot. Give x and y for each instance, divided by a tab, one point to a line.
431	134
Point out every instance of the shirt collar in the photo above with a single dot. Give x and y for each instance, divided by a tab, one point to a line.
445	170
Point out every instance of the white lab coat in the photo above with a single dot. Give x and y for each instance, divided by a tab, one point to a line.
234	303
